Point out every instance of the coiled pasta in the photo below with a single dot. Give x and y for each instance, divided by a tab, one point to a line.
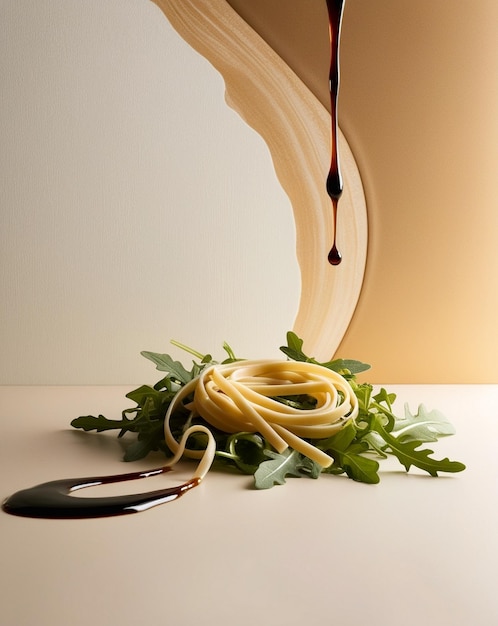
240	397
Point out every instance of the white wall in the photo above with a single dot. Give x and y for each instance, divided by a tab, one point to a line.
135	206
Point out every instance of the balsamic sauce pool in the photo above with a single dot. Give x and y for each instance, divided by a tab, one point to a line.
53	500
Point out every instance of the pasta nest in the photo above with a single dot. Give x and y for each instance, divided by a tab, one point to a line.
242	397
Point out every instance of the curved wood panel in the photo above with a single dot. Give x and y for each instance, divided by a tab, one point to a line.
296	128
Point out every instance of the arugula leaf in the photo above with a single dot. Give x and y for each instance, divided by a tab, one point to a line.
345	366
231	355
101	423
275	471
146	442
408	455
359	467
310	468
245	450
423	426
347	451
387	398
146	394
294	350
165	363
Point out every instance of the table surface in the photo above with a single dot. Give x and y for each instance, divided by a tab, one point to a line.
411	550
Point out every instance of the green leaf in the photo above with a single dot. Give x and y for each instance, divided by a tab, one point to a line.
408	455
310	468
165	363
139	449
423	426
145	393
339	441
231	354
100	423
359	467
387	398
246	450
294	348
275	471
346	365
300	401
347	453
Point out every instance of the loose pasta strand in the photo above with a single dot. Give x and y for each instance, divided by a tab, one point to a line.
207	455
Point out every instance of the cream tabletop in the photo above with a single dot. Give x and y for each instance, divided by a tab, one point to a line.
411	550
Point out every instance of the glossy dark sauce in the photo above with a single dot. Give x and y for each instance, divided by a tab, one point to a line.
334	256
52	500
334	178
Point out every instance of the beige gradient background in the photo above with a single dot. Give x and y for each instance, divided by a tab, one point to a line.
419	107
136	207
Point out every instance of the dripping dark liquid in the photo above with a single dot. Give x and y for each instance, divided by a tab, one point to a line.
334	178
52	499
334	257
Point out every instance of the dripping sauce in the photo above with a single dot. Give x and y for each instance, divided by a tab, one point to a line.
334	178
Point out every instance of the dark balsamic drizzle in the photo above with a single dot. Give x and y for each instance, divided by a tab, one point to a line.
334	178
52	500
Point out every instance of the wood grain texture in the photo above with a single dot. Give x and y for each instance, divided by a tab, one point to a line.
296	127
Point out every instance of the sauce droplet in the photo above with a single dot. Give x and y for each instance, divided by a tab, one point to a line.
334	257
334	178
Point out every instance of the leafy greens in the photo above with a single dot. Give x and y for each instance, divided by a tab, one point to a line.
356	448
